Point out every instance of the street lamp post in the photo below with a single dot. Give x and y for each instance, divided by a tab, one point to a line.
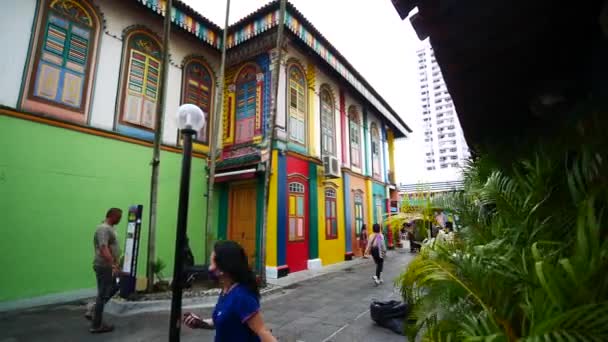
190	120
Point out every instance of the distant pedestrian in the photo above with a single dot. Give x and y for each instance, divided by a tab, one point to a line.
363	239
237	315
105	264
377	248
446	234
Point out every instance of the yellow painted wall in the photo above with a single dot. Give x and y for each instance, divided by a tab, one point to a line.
370	205
390	137
331	251
271	229
228	106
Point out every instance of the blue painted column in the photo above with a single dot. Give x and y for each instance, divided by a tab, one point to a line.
282	211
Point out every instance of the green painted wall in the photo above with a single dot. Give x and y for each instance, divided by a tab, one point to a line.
313	208
216	213
379	191
55	187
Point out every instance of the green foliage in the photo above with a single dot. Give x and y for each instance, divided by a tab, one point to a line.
157	268
418	210
530	260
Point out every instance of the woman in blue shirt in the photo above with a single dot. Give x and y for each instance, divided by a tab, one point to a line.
237	315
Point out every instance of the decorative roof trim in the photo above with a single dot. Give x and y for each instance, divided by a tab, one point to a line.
189	20
251	29
332	57
266	18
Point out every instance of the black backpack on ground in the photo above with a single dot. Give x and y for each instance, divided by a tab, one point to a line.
390	315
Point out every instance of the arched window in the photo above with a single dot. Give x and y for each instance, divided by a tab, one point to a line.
297	105
379	211
246	104
328	144
60	75
331	217
358	210
198	89
141	80
375	150
296	211
355	136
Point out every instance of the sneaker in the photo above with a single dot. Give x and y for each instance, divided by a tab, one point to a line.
104	328
381	281
376	280
89	311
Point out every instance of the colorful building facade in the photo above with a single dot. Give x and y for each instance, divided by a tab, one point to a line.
81	85
332	156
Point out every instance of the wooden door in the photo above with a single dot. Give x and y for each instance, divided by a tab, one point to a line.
297	226
242	218
358	222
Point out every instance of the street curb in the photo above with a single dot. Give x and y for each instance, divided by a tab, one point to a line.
119	307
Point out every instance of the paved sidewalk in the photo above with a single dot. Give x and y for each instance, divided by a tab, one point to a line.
329	307
301	276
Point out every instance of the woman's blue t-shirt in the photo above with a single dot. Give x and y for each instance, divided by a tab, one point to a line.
231	314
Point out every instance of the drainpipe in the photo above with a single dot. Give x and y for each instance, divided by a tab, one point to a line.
215	143
160	109
272	136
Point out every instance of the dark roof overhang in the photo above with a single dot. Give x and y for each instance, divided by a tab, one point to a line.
512	67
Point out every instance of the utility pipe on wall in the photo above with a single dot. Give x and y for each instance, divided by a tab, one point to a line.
215	143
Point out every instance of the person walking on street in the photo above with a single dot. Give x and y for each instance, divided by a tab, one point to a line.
363	239
237	315
105	264
377	248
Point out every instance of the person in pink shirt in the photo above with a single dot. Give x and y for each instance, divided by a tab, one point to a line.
377	248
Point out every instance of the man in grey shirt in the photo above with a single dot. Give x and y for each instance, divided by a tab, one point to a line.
105	264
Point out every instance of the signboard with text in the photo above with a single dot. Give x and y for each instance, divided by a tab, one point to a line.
129	266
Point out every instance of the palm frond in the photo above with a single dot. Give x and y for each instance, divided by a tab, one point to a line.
584	323
530	258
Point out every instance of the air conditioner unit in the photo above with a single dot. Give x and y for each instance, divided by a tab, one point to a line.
331	166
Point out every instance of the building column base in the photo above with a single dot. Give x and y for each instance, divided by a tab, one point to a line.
314	264
274	272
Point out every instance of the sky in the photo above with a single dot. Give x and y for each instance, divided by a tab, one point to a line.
374	39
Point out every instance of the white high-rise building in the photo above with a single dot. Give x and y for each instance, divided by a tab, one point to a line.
445	148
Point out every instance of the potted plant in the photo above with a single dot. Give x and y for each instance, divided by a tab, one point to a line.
160	285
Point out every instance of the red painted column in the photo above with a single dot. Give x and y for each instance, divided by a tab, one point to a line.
345	156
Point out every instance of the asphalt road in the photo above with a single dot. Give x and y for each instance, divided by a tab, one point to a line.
332	307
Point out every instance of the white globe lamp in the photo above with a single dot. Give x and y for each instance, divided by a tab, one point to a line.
190	117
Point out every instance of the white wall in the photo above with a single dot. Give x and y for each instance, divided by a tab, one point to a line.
173	101
119	16
16	22
281	119
323	79
106	83
313	123
372	118
350	101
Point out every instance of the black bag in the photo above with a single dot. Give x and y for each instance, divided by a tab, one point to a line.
192	272
390	315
